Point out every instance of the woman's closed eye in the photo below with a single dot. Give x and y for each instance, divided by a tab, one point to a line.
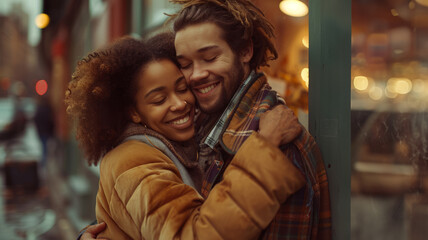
158	101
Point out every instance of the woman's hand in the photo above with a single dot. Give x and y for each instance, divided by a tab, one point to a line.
279	125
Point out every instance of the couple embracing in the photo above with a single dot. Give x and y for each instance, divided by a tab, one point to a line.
191	140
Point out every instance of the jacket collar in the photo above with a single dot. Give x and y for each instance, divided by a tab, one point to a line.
245	120
214	136
186	152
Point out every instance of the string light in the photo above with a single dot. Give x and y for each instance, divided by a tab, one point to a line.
294	8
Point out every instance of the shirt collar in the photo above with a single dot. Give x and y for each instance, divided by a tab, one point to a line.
214	136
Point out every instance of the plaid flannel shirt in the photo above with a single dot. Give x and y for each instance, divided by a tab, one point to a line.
306	214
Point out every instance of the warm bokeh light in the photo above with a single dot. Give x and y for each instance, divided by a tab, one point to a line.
305	76
294	8
399	85
376	93
394	12
403	86
305	41
41	87
42	20
361	83
422	2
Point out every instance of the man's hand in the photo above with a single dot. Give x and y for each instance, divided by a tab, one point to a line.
279	125
92	231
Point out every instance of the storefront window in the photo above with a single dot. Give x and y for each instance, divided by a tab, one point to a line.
289	74
389	119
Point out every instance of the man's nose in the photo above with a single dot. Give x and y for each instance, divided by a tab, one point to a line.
199	72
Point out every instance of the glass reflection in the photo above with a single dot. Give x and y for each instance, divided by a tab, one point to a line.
389	119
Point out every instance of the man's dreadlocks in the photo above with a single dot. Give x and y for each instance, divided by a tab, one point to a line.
241	21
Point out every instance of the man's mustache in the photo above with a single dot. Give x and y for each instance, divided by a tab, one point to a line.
196	84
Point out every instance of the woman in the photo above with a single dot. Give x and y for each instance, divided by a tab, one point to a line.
132	93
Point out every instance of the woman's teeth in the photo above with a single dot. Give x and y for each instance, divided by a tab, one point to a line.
181	121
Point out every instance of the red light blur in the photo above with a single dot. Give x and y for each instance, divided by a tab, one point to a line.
41	87
5	83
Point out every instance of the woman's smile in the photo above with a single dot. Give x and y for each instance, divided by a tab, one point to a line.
164	102
183	121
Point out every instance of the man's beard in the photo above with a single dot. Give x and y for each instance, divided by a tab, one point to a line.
223	100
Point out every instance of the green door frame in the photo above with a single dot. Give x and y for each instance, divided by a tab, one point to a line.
329	101
137	17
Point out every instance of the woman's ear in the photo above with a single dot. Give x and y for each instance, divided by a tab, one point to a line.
247	53
135	117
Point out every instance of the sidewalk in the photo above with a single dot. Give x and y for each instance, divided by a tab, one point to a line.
59	201
36	214
72	197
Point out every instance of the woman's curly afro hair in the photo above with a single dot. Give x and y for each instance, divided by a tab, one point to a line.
103	87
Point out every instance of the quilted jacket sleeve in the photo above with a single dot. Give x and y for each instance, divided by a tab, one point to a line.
149	200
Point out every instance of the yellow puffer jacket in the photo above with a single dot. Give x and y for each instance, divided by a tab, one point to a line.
141	194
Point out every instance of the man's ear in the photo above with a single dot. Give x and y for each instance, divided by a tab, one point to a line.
135	117
247	53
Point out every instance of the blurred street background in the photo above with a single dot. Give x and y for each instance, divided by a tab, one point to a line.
47	190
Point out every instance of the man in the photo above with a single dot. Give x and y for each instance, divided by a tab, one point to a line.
220	45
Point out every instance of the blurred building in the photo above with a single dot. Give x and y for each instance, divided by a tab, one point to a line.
18	60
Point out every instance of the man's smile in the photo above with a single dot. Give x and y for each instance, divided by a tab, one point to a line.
205	88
